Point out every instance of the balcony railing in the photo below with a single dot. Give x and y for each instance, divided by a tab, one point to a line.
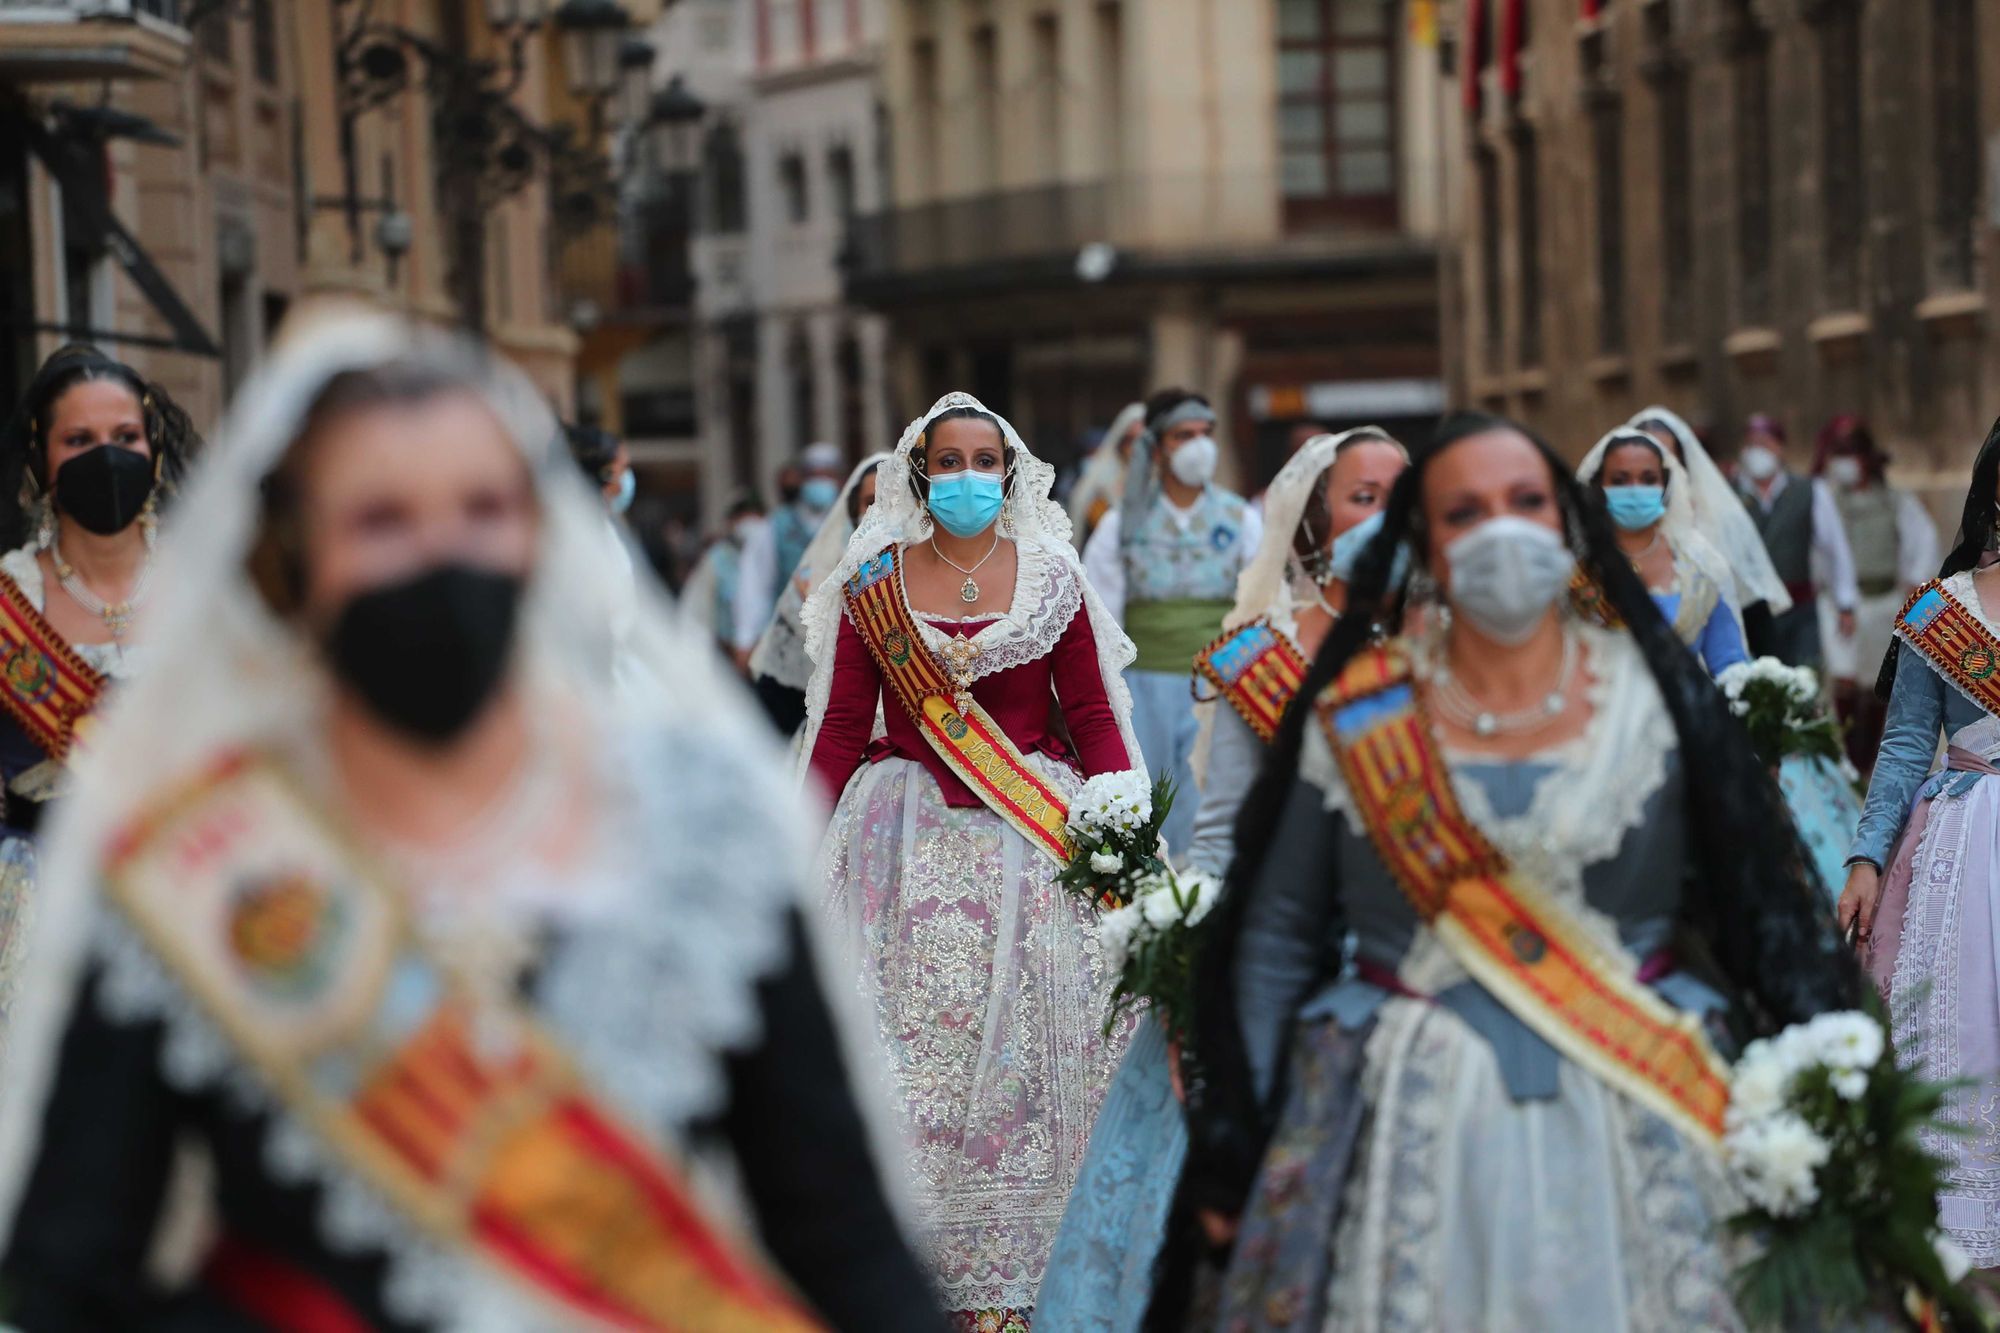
1050	227
169	12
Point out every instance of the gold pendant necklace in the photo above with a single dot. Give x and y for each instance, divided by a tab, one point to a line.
968	591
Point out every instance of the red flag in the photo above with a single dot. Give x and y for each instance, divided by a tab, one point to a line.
1510	47
1472	58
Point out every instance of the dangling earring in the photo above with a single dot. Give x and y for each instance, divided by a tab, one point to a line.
149	520
45	524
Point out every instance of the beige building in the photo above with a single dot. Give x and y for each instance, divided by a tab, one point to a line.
1731	206
1093	198
255	182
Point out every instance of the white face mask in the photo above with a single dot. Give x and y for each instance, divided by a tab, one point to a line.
1845	471
1506	574
1759	462
1194	462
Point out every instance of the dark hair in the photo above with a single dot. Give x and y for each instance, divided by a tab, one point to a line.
1631	438
276	558
595	450
24	456
1975	531
920	455
854	492
1748	900
745	502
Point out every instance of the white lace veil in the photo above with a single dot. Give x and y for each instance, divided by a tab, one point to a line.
781	649
1719	515
1104	471
1683	533
1051	577
1274	584
688	769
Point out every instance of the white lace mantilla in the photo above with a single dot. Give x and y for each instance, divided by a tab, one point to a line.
1595	794
648	998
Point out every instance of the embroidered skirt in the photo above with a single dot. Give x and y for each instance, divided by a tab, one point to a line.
989	993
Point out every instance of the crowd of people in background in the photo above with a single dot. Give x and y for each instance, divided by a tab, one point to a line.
451	890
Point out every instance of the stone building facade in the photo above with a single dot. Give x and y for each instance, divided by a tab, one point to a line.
1729	206
1093	198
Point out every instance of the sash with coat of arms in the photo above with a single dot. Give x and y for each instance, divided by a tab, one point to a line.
950	720
468	1119
45	685
1953	639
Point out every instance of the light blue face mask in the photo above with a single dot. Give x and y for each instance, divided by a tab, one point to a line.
1636	508
819	494
1349	545
628	486
966	503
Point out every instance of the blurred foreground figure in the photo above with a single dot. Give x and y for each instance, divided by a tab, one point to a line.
453	965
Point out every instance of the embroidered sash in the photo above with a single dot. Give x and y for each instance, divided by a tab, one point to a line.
1258	671
1589	603
964	735
45	685
473	1126
1515	939
1952	639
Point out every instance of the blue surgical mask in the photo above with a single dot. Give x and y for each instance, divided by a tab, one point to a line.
628	486
819	494
1636	508
1349	545
966	503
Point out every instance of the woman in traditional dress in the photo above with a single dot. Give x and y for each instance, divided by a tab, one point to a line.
1717	513
961	617
1640	482
1443	1147
455	965
779	661
92	450
1322	508
1925	879
1103	477
1819	791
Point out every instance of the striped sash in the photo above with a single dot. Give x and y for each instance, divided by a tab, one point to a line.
45	685
1258	672
1952	639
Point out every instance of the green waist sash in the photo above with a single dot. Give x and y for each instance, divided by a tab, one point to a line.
1170	634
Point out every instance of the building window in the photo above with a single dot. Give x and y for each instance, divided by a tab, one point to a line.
924	94
1046	94
1528	240
1110	87
805	399
264	39
853	396
216	34
840	181
1486	172
1676	202
792	187
1842	207
985	146
1336	104
725	208
1752	98
1955	125
1607	125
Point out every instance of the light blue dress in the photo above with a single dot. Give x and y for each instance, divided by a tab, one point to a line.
1100	1275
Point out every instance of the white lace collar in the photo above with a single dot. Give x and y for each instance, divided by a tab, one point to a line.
1047	593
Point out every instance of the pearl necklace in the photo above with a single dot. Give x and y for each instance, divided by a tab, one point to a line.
968	591
1458	706
117	616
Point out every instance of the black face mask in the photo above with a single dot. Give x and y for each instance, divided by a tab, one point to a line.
426	653
104	488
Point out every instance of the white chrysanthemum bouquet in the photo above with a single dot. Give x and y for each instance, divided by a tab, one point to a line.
1821	1139
1781	708
1114	827
1151	941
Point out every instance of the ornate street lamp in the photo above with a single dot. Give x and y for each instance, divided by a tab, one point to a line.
635	81
593	31
673	129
